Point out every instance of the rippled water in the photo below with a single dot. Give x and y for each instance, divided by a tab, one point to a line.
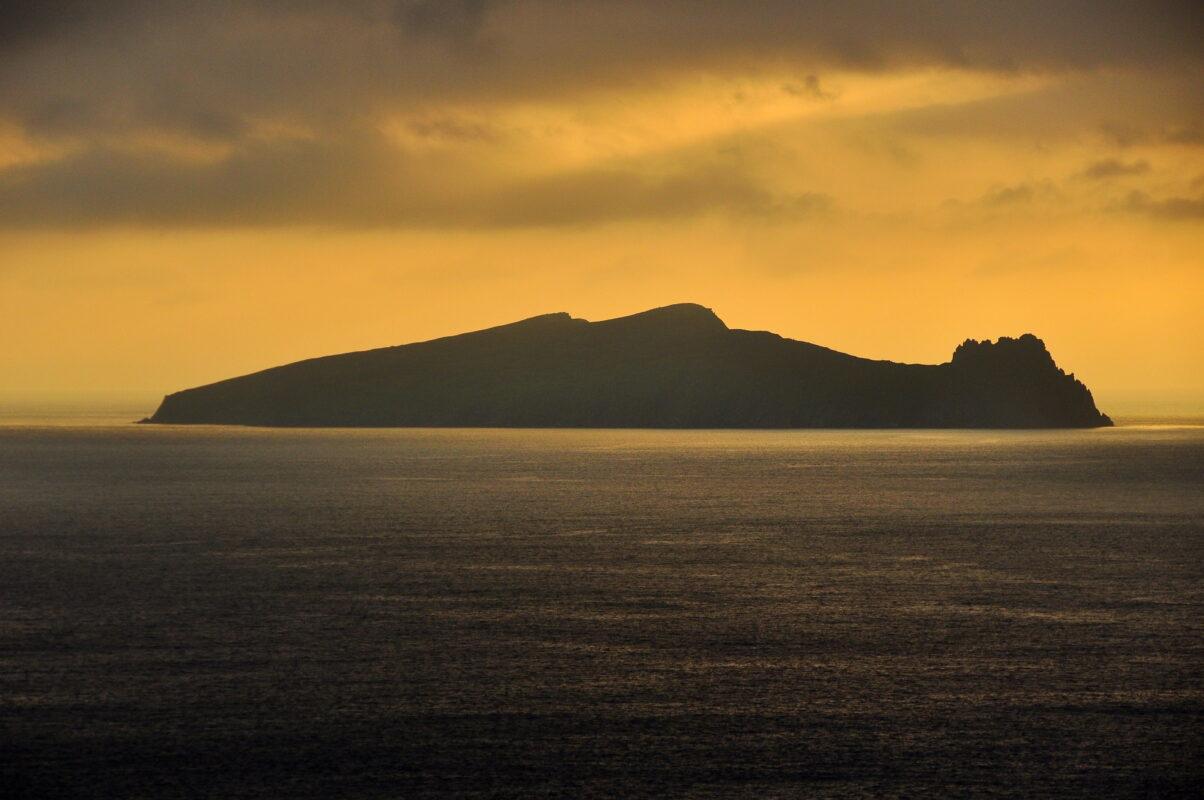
253	613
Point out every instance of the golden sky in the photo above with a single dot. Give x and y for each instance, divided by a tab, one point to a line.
188	193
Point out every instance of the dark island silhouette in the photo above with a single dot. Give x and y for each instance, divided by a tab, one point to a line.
674	367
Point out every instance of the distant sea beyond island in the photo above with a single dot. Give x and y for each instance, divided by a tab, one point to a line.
678	366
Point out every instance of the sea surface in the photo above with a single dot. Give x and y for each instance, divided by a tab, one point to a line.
235	612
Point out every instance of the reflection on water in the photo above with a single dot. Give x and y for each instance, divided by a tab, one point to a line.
243	612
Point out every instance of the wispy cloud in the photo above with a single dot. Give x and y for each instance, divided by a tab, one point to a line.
1113	168
366	181
1170	208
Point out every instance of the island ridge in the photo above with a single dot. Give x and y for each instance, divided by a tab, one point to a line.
678	366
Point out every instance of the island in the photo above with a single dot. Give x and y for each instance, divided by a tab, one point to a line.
678	366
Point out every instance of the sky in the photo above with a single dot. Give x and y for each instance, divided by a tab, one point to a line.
191	191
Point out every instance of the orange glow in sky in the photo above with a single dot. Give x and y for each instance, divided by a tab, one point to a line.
185	199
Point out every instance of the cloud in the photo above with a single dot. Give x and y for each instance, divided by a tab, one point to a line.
809	87
30	20
446	128
411	48
1160	107
1123	134
363	180
597	196
457	20
292	94
1169	208
1113	168
1008	196
1186	134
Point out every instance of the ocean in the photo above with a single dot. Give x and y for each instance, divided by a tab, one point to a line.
236	612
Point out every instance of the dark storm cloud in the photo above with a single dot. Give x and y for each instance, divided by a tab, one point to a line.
98	80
